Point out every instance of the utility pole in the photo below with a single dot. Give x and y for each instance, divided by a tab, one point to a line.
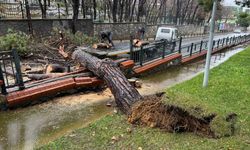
210	45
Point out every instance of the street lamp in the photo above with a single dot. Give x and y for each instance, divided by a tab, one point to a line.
210	45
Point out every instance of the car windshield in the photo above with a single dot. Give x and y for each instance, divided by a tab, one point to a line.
165	30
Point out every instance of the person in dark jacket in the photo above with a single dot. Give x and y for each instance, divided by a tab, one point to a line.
141	33
107	36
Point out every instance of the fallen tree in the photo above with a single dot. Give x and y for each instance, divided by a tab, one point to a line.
150	111
125	94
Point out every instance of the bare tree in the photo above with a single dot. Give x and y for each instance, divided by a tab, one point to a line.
75	15
43	7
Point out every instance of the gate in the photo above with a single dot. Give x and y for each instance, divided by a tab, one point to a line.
10	71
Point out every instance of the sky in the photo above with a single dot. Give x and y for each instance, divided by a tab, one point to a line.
229	3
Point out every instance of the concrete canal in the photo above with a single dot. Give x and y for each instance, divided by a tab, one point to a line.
33	126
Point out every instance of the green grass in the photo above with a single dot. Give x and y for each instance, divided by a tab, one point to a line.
228	92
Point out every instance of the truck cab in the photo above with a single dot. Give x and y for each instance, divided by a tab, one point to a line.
167	33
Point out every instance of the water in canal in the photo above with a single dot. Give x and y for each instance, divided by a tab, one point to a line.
33	126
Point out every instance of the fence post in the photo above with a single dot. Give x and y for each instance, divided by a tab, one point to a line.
131	47
191	49
201	46
213	44
180	44
19	77
3	88
218	43
223	42
58	8
164	49
141	55
21	5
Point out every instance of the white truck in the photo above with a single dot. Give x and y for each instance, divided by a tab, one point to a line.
167	33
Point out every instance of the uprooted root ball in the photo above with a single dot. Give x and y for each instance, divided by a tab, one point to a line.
154	113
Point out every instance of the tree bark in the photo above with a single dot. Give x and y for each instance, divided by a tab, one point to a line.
75	15
94	8
125	94
66	8
43	7
114	10
28	15
132	11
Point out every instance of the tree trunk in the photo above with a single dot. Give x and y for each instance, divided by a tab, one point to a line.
114	10
66	8
28	17
94	8
140	9
194	14
125	94
132	11
43	7
75	15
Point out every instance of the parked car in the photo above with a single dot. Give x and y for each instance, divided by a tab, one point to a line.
167	33
237	31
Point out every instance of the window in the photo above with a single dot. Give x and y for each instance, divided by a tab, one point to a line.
165	30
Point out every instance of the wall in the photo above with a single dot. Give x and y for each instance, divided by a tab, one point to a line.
45	26
122	31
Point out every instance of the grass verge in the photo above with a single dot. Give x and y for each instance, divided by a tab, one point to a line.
228	92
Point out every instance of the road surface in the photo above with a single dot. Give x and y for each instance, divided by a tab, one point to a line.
123	47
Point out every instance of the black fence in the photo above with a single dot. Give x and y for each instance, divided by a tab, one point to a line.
163	48
152	51
18	10
10	71
12	10
198	47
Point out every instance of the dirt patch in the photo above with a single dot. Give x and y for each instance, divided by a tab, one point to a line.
152	112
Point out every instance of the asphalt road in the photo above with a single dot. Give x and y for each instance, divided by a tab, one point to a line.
123	47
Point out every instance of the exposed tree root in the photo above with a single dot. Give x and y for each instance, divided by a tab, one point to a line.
151	111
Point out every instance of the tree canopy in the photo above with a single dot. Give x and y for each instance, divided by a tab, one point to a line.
243	19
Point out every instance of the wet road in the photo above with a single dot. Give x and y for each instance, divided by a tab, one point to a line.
123	47
33	126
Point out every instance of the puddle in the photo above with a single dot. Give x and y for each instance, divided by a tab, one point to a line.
177	74
37	125
34	126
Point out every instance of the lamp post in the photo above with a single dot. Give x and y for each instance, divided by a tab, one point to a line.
210	45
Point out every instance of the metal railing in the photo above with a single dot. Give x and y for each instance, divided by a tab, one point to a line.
160	49
146	53
10	71
198	47
12	10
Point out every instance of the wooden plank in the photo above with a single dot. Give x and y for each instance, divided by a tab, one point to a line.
154	64
127	64
1	82
193	57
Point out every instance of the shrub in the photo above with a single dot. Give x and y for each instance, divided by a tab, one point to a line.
18	40
78	38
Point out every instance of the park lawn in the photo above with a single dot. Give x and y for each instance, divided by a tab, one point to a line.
228	92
